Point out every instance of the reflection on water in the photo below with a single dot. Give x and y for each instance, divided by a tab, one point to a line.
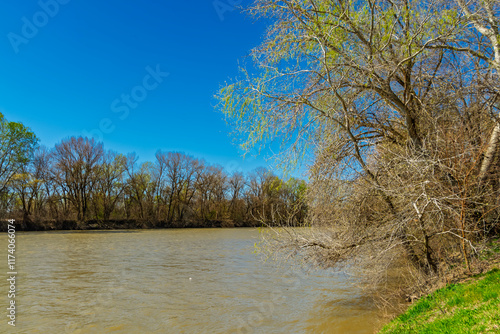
172	281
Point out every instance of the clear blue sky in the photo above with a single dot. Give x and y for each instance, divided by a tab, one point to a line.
66	70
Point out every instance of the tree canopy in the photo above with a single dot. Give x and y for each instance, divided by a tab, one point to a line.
17	144
396	104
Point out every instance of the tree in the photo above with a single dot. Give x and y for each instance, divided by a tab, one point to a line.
479	39
77	160
178	176
211	189
110	184
17	144
386	100
236	185
141	186
352	65
29	183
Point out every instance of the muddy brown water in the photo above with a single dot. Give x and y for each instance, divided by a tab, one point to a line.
172	281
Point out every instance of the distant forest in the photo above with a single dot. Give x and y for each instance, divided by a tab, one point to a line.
79	185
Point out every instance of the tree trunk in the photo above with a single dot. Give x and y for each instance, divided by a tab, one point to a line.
490	154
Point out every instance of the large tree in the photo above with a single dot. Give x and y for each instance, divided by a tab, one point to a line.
386	100
77	162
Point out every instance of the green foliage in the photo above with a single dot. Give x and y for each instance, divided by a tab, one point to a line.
458	308
318	55
17	144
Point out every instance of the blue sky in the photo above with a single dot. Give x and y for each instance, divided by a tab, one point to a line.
75	67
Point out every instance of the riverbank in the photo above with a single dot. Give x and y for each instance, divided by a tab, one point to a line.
468	307
120	224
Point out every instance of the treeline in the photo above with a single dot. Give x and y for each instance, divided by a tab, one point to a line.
79	181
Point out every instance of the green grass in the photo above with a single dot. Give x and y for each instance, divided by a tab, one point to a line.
472	307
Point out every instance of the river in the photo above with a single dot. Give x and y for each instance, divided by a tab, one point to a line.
172	281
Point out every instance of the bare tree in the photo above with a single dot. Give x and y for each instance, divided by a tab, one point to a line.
211	192
141	187
28	183
236	185
110	184
77	159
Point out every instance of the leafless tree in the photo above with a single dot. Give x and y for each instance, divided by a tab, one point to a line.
109	184
77	159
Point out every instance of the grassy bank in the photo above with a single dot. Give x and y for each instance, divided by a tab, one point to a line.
470	307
